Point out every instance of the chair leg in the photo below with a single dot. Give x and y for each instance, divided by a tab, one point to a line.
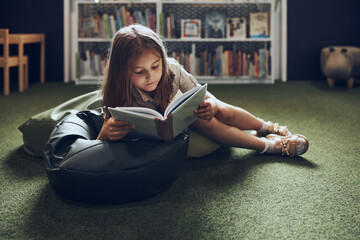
26	75
6	81
21	64
350	82
21	78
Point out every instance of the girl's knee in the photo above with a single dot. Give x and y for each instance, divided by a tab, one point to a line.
225	112
204	125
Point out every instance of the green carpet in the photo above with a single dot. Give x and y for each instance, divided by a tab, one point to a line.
231	194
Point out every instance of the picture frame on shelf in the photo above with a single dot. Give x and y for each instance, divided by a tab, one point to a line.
215	23
236	28
259	25
190	28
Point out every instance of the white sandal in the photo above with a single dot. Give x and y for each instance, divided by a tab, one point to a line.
293	145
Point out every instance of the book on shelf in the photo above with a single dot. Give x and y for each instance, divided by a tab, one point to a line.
236	28
89	63
229	62
167	25
190	28
105	25
162	24
215	23
259	25
176	118
150	19
118	18
238	63
262	63
78	62
256	64
192	58
245	65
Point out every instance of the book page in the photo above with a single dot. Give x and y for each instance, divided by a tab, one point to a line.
144	123
142	111
184	115
170	108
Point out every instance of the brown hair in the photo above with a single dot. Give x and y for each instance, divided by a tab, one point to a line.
127	46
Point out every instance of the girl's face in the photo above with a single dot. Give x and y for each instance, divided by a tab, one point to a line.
147	71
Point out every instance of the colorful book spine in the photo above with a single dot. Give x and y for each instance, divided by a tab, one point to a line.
262	62
90	63
105	25
227	63
105	18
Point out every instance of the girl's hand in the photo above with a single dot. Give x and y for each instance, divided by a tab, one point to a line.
205	111
114	130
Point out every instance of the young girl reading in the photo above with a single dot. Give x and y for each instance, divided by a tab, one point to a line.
139	73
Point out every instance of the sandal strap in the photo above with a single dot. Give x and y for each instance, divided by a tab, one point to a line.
286	146
289	146
280	130
284	150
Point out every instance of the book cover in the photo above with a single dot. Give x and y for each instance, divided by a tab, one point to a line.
259	25
245	65
112	25
162	24
102	27
98	25
215	22
94	26
81	32
225	60
236	28
192	59
256	64
106	25
190	28
217	61
152	20
118	18
78	62
170	25
136	17
230	64
177	116
239	63
267	52
123	11
234	50
262	62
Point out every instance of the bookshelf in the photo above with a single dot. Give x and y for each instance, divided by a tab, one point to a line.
218	59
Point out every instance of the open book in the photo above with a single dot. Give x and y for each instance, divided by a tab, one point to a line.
177	116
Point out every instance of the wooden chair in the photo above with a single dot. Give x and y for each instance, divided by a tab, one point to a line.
7	61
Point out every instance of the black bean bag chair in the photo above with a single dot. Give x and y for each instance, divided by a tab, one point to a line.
85	169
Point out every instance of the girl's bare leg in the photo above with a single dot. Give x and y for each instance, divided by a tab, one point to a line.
237	117
228	135
229	121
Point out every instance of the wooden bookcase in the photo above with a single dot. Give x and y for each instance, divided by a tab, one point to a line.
85	43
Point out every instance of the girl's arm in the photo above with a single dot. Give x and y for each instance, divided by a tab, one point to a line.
208	108
114	130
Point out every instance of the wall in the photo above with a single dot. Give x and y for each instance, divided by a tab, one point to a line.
37	16
314	24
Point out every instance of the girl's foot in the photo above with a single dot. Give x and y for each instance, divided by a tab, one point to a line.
271	128
293	145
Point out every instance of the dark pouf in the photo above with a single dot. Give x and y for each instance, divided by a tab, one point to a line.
94	171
